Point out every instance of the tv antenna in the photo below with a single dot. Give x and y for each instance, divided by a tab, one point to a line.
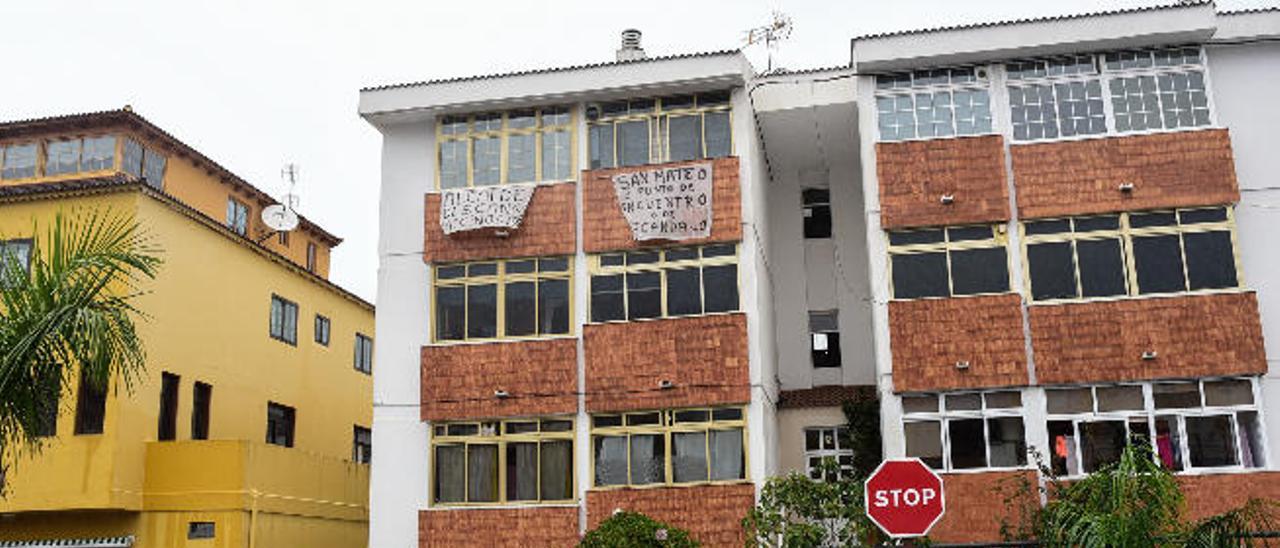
777	30
283	217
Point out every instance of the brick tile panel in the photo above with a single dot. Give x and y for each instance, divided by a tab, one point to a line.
499	527
914	175
1211	494
704	356
928	336
1193	336
458	381
549	228
976	505
605	228
712	514
1185	168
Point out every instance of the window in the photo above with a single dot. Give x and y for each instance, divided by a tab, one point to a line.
701	445
48	391
15	255
970	430
656	283
280	421
91	404
364	354
362	445
322	330
99	153
284	320
1145	90
1170	252
153	168
200	530
168	427
667	129
62	157
503	299
948	262
283	238
517	146
933	103
201	400
19	161
311	257
817	212
512	461
824	337
132	157
1211	423
827	442
237	216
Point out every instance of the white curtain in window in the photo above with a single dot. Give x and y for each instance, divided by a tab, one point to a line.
647	459
726	455
611	460
689	456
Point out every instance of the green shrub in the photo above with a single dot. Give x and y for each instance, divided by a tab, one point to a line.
634	530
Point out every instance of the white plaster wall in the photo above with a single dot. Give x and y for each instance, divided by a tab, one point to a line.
791	425
1246	82
398	483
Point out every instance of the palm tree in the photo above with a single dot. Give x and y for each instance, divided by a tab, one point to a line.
70	310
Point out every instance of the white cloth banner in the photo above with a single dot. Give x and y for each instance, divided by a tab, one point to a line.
484	207
670	203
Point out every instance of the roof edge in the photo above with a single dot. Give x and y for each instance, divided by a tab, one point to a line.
1030	20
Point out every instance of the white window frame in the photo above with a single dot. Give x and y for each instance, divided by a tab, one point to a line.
982	82
943	416
823	452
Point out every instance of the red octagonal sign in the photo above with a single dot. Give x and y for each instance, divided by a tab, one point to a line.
904	497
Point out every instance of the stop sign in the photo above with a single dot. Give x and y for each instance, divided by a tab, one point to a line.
904	497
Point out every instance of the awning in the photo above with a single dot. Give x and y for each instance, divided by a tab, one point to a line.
103	542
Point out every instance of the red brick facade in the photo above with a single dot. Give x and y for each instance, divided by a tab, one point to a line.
549	228
914	175
711	513
1192	336
1211	494
605	229
928	337
499	527
458	381
976	504
704	356
1185	168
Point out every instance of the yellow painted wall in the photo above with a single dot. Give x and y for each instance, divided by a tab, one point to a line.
209	322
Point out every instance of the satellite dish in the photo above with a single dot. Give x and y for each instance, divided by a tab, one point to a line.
279	218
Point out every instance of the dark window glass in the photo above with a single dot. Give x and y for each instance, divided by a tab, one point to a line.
451	313
684	135
633	143
91	404
726	414
553	265
1210	261
976	271
1212	441
450	475
280	421
1052	267
1091	224
924	441
1158	260
521	267
1101	267
482	269
201	530
1007	441
684	291
557	470
916	237
1101	443
363	353
642	257
601	140
48	389
817	212
482	311
1056	226
361	445
168	427
682	254
967	446
720	288
920	275
607	298
201	401
522	471
1160	218
1195	216
824	334
969	233
553	306
720	250
521	311
644	295
322	330
1062	439
451	272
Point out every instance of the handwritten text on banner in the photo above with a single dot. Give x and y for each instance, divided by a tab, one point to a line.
484	207
669	203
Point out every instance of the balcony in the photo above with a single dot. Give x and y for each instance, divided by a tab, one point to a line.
1181	336
915	175
1166	170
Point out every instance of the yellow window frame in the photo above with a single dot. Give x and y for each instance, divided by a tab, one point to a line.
471	135
499	437
1126	233
597	267
666	427
500	278
998	239
659	125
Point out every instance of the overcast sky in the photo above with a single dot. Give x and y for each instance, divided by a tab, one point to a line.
256	84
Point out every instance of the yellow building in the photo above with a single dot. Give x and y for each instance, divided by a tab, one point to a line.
250	426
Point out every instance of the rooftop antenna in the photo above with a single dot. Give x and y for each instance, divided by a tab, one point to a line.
777	30
283	217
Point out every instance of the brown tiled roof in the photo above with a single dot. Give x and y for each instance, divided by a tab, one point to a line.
126	116
823	396
551	69
120	183
1006	22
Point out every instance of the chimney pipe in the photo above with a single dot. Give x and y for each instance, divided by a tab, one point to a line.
631	50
